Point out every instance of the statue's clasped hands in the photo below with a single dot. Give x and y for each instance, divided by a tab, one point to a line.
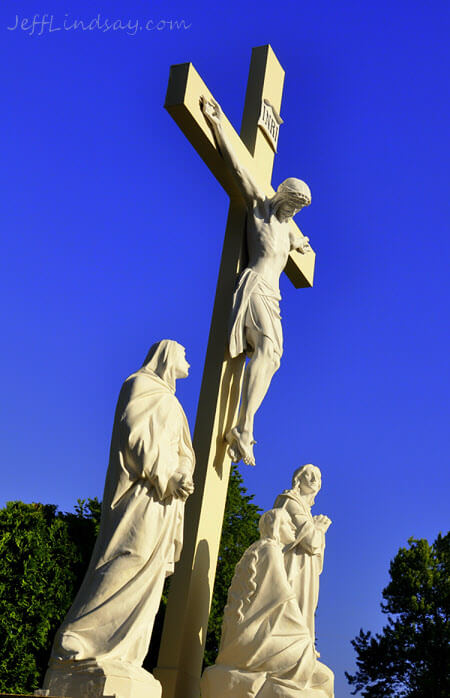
322	522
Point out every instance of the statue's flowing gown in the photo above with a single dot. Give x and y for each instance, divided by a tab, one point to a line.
141	529
263	629
304	560
266	644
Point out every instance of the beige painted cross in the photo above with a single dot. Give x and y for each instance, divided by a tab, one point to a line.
184	633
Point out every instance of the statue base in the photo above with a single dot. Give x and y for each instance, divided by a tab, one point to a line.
228	682
89	679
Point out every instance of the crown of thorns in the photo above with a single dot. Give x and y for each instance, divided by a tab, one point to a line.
296	197
293	189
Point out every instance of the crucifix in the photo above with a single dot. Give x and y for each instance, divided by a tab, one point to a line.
186	621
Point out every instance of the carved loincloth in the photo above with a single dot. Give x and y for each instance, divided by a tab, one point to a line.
256	304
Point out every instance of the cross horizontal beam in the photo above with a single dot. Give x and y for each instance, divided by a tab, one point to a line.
184	91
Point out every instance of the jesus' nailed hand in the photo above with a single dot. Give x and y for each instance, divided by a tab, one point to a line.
255	322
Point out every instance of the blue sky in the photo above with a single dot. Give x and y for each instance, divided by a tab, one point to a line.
112	232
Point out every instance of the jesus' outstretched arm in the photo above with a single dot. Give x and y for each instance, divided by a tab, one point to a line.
214	116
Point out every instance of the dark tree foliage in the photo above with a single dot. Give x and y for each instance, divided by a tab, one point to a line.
410	658
83	528
44	555
43	558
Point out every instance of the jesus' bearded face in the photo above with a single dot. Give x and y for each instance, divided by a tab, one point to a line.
291	196
286	205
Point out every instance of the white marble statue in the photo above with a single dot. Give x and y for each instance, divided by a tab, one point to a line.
304	559
100	646
255	323
267	648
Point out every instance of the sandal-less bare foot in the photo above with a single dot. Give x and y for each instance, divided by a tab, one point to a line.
238	449
249	458
233	448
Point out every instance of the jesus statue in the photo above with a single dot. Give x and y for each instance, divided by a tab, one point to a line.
255	322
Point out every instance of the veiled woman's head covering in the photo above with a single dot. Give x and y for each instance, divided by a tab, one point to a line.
162	359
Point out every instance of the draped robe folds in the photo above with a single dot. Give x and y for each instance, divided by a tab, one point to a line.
257	305
304	559
141	530
266	649
263	629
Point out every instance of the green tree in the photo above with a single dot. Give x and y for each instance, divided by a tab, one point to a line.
410	658
43	557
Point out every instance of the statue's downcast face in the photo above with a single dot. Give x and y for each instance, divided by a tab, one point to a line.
286	207
292	195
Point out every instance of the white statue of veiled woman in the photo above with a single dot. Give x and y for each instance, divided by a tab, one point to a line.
100	647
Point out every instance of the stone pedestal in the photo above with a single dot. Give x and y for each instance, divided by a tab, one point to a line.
226	682
88	679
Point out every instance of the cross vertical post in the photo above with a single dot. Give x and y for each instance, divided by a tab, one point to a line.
186	621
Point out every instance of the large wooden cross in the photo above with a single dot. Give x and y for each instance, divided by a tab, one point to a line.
186	621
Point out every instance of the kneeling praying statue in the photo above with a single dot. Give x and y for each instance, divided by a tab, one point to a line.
267	648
